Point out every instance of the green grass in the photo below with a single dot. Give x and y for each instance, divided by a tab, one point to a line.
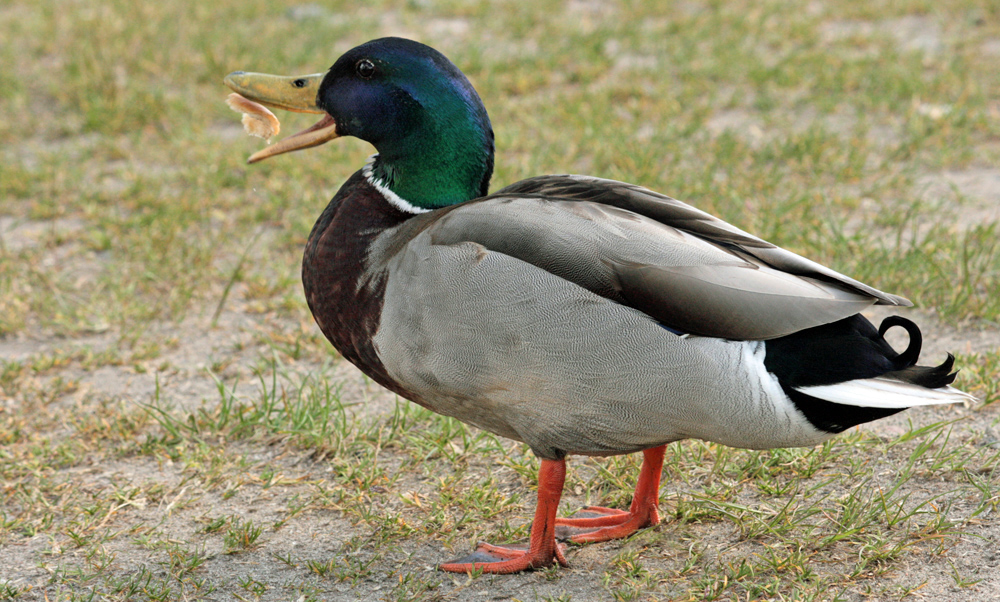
170	416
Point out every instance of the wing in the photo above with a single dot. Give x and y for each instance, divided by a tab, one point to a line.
688	270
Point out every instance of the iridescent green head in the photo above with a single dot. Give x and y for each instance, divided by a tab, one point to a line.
433	135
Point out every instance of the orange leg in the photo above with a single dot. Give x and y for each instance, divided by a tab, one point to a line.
602	524
542	550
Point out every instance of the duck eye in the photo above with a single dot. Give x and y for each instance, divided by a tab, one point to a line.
365	68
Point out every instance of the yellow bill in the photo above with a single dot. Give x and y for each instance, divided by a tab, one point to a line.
291	93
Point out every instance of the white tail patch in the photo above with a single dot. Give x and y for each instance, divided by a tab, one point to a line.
885	393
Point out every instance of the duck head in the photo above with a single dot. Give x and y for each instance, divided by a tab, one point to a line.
433	135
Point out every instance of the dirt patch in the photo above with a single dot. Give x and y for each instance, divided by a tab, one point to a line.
912	33
975	191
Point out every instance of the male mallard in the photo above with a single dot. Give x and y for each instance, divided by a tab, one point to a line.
575	314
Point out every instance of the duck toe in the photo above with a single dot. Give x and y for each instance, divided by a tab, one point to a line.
500	560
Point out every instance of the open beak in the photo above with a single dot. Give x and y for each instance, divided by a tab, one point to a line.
294	93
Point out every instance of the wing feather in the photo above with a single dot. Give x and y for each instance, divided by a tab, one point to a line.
685	268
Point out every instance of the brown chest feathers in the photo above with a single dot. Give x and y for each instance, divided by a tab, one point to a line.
344	293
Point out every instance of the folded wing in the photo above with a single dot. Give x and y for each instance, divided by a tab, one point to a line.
688	270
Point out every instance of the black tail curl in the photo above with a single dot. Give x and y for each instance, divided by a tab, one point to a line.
931	377
912	353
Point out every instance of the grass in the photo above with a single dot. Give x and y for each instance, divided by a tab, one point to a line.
170	416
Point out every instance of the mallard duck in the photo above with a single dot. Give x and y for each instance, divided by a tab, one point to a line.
579	315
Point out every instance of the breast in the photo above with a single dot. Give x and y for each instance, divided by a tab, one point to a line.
345	291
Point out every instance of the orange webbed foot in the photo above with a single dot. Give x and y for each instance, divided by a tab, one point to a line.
501	560
596	523
542	551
